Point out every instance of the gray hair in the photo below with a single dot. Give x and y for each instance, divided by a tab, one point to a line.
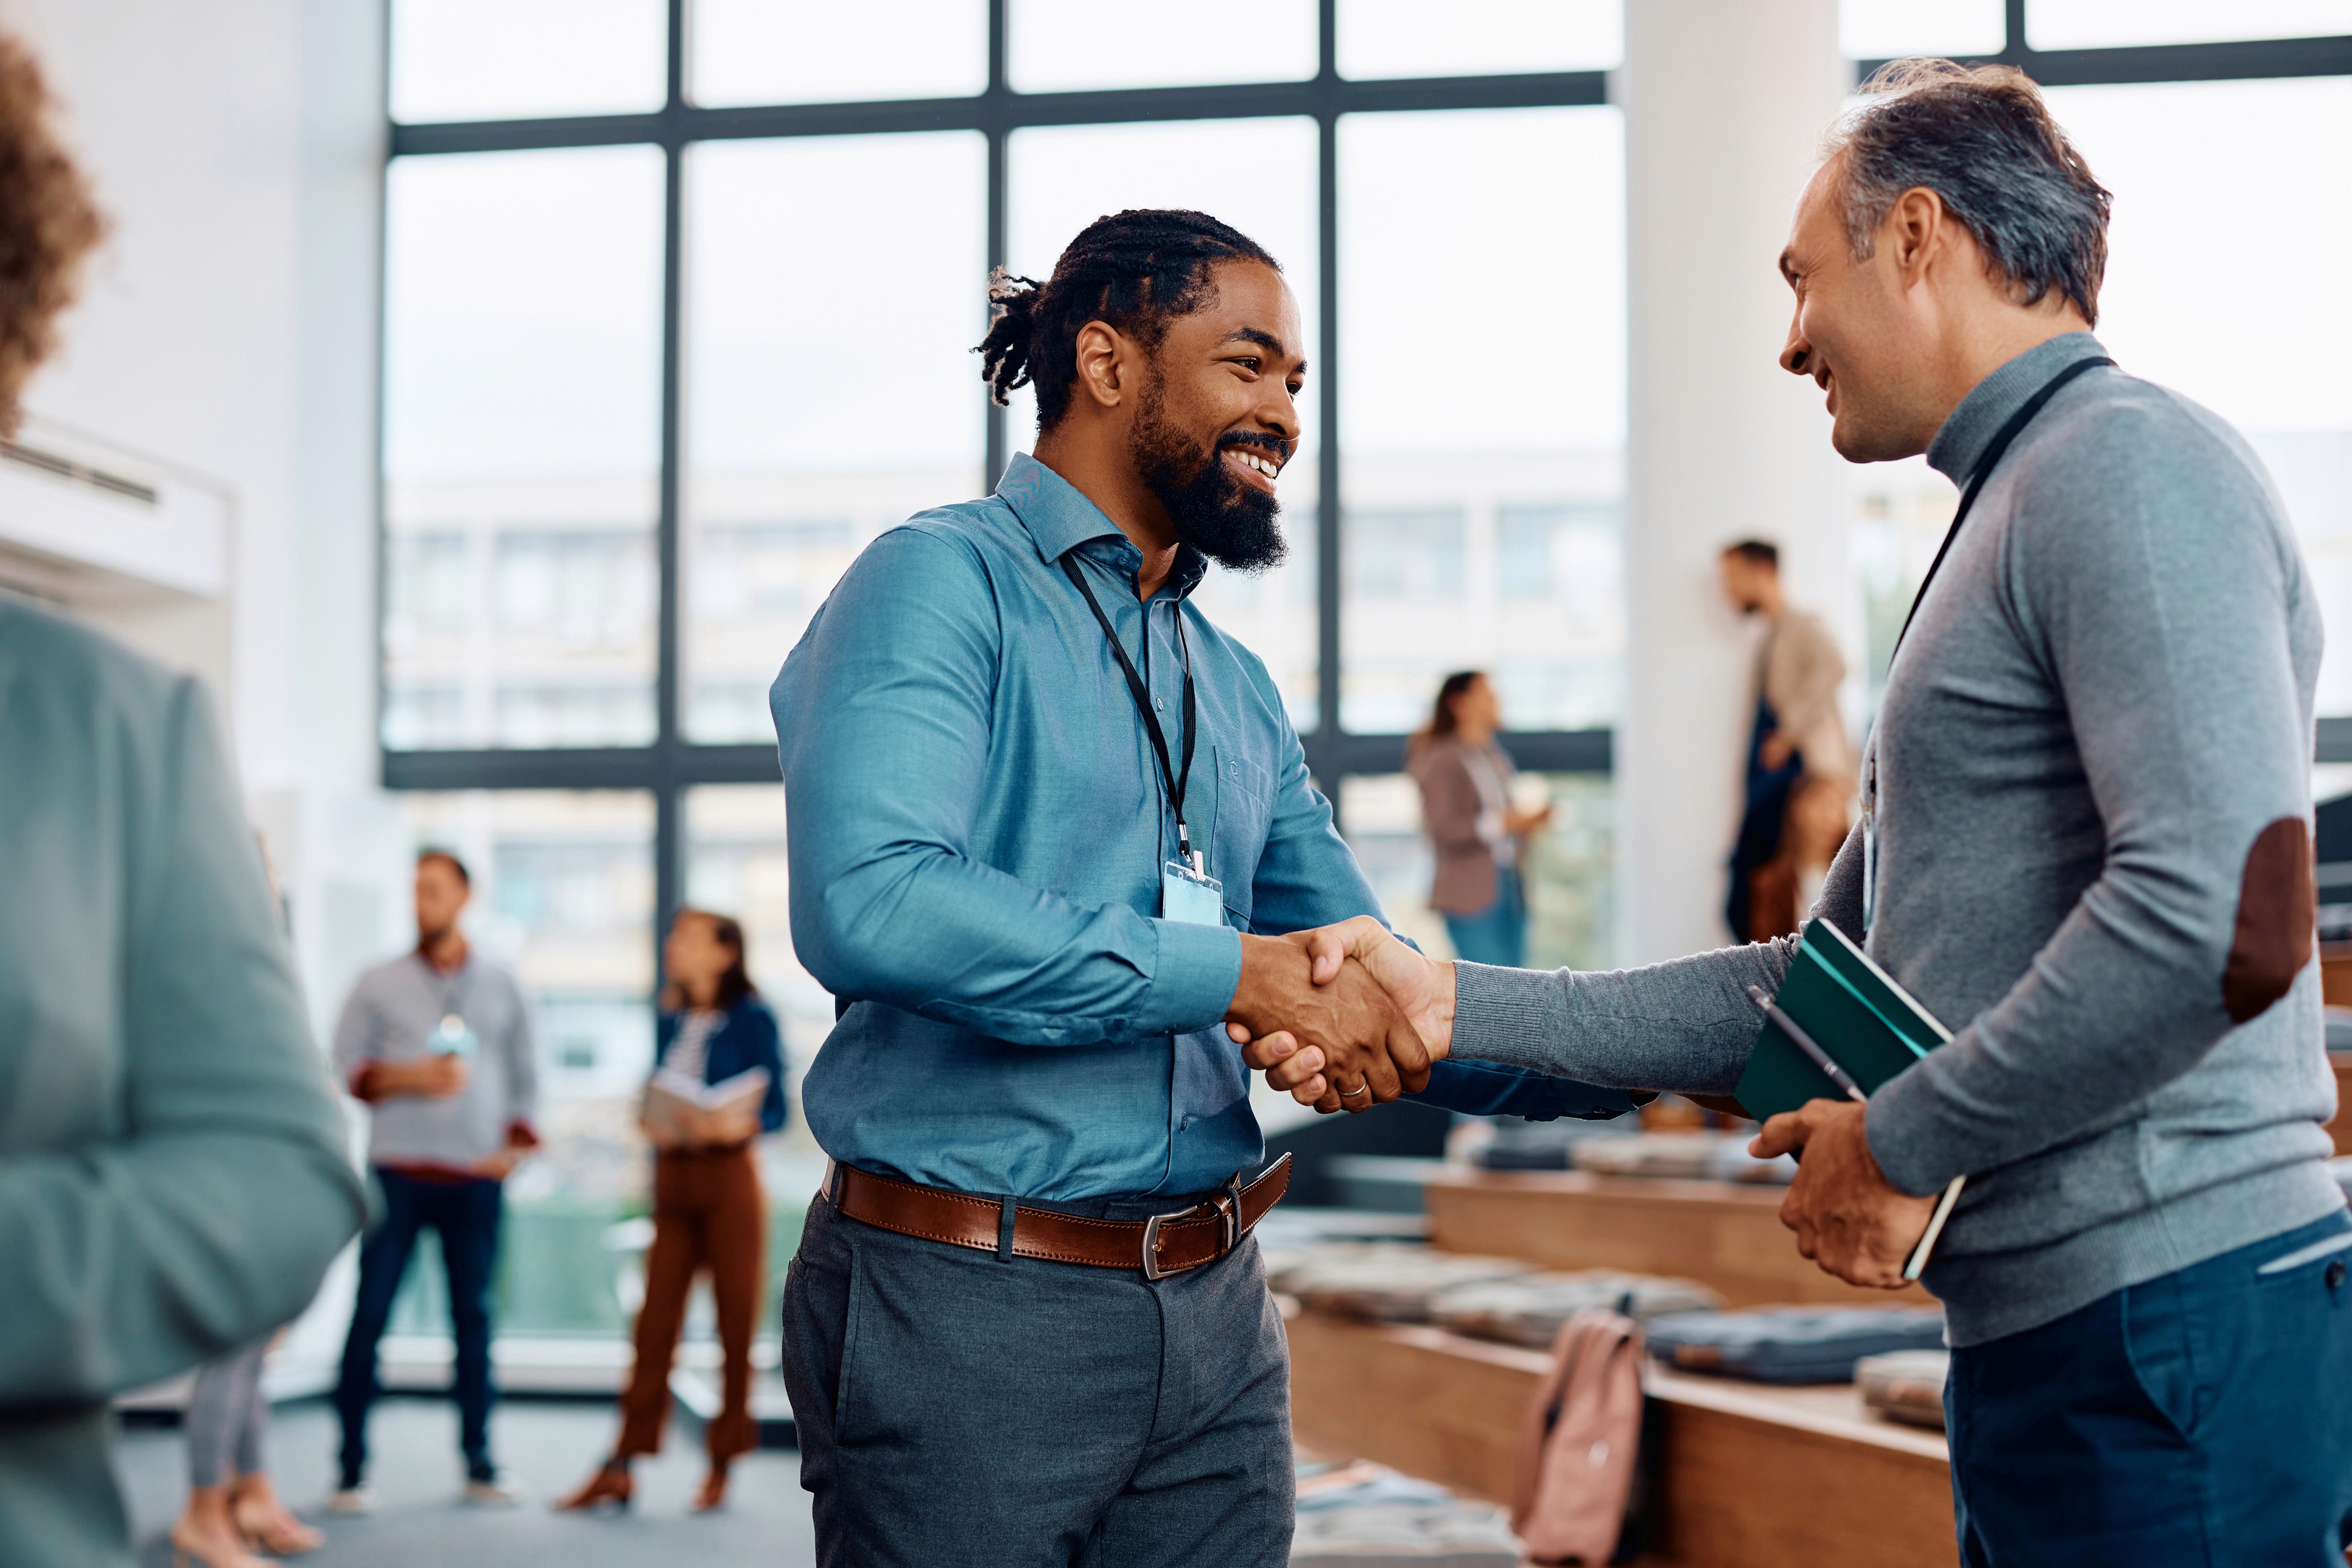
1983	139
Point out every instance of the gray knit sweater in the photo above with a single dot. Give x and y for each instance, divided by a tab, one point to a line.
2094	863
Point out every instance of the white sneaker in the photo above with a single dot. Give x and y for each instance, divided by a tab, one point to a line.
493	1493
350	1499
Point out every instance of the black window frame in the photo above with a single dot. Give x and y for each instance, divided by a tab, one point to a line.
671	765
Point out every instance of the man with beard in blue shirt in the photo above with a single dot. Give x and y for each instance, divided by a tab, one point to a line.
1049	827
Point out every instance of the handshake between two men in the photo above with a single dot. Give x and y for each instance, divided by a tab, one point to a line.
1346	1017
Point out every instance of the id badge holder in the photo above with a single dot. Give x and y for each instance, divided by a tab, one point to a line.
1190	896
453	1038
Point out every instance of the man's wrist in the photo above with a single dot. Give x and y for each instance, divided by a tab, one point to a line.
1262	962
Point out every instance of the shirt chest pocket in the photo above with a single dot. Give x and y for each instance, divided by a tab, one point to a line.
1244	809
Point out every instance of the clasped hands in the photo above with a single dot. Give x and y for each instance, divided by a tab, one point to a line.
1346	1017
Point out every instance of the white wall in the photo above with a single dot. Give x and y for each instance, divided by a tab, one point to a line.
1725	103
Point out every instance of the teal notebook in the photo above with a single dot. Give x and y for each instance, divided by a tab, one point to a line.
1853	1010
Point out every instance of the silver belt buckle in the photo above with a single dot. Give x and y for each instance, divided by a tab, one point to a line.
1151	1269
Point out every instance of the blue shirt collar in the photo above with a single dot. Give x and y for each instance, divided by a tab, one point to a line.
1060	519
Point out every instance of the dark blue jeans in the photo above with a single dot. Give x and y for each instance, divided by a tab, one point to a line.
1497	934
466	1216
2204	1418
954	1406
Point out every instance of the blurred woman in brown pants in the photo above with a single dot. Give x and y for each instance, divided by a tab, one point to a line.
708	1211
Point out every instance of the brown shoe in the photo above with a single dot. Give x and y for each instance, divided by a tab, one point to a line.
610	1487
713	1494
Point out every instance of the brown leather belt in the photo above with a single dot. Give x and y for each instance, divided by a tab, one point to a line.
1163	1245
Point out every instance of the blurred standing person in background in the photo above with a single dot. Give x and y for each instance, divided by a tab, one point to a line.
232	1506
1480	836
1799	773
437	1043
708	1210
172	1181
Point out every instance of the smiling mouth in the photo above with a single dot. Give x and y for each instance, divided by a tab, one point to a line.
1257	468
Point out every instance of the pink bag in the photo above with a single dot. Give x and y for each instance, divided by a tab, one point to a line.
1583	1434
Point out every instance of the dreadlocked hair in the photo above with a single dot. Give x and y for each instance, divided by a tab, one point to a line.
1138	270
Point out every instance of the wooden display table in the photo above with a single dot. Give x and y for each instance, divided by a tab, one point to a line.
1746	1476
1722	1234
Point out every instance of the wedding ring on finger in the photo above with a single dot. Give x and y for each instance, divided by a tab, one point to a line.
1363	1088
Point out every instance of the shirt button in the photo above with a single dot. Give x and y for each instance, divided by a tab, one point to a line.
2335	1275
1162	705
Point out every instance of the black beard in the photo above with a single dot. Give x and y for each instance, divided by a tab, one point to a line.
1231	523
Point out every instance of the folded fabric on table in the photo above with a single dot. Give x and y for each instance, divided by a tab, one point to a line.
1384	1283
1530	1309
1362	1515
1689	1155
1791	1344
1291	1264
1732	1162
1904	1386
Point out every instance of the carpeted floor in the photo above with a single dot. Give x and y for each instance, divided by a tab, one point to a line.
547	1447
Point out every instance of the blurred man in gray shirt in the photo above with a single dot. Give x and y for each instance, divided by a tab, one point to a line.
437	1043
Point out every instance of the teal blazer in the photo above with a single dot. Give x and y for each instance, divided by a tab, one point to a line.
172	1173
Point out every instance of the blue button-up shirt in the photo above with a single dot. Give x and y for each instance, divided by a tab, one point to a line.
977	827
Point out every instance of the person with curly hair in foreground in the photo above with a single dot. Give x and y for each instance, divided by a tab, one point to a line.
172	1181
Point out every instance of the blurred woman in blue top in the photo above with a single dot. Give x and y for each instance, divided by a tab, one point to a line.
709	1211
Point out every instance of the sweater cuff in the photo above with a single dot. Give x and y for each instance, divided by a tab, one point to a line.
1899	1125
1510	1016
1193	981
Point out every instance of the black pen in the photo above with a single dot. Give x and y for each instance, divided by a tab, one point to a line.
1805	1042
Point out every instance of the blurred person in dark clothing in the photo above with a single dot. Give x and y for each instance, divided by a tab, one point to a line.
172	1181
1480	836
437	1044
708	1210
1799	773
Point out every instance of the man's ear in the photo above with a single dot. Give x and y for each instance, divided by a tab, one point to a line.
1101	355
1917	228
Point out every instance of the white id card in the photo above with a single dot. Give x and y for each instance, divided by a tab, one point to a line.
1189	896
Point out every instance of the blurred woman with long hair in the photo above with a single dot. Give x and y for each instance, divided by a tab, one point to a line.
709	1211
1480	836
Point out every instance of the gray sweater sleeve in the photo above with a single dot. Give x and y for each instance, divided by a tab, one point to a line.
1685	1026
2146	578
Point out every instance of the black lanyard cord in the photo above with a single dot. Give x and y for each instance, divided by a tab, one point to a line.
1994	450
1177	780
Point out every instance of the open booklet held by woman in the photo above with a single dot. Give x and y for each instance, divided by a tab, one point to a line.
679	1108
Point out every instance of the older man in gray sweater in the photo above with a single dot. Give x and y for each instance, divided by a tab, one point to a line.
2085	847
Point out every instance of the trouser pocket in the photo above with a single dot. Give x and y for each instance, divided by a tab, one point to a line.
2160	1343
